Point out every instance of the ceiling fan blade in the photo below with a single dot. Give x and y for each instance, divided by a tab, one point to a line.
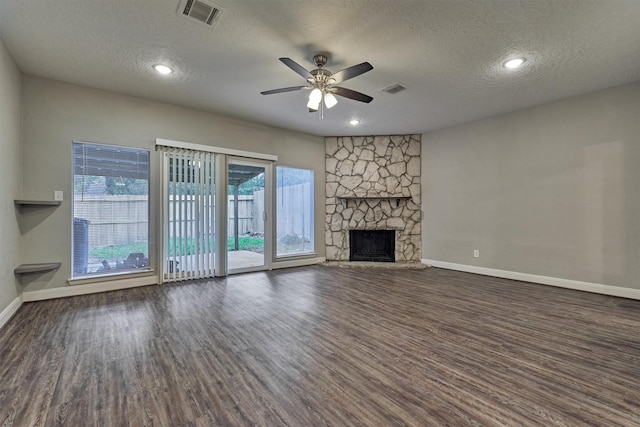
297	68
284	89
351	94
351	72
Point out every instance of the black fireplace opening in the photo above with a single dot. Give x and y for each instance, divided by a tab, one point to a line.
372	245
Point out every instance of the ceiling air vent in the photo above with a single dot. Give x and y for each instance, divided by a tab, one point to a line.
199	10
394	88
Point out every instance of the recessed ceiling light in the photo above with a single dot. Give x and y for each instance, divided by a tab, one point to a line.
354	122
162	69
514	63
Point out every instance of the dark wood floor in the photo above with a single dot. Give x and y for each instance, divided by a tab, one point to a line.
325	346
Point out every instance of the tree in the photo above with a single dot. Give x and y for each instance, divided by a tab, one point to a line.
127	186
247	187
292	176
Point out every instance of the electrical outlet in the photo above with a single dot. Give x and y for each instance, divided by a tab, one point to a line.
476	253
58	195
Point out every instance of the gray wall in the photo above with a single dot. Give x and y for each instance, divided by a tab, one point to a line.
10	161
552	190
57	113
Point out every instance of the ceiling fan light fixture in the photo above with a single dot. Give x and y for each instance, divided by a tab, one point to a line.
313	105
330	100
315	97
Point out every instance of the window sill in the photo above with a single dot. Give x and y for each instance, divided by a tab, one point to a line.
295	256
110	277
297	261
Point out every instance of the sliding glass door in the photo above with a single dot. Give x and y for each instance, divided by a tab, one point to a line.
215	218
248	229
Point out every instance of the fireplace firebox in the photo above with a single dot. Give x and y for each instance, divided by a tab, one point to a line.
372	245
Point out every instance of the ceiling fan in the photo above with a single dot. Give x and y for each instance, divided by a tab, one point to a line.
322	83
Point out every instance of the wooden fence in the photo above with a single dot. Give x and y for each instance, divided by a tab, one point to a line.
120	219
114	220
293	205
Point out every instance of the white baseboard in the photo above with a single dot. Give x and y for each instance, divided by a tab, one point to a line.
299	262
11	309
92	288
597	288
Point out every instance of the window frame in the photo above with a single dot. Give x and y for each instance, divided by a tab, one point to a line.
85	278
311	252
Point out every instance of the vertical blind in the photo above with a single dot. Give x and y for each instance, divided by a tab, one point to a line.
189	237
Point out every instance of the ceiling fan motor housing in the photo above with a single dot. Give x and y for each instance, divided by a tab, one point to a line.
320	77
320	60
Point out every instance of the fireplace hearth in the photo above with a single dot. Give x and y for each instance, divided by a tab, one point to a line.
372	245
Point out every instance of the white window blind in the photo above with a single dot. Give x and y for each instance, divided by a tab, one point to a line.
110	209
189	237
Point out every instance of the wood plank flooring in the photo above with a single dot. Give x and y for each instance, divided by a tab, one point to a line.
325	346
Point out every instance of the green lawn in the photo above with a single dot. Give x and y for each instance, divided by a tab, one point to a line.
184	247
119	252
246	243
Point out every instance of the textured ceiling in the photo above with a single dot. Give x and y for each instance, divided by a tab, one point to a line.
448	53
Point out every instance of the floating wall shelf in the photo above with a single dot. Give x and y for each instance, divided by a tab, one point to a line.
36	203
35	268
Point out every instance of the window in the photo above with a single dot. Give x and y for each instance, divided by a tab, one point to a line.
110	209
294	211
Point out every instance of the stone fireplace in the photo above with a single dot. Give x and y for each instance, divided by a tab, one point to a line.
373	183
